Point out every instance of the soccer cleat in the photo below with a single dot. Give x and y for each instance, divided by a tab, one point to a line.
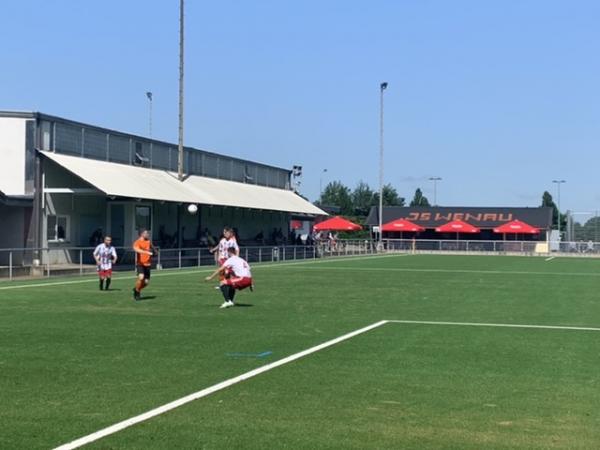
224	305
230	303
217	287
136	294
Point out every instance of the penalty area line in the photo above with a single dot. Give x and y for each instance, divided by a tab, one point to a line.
210	390
496	325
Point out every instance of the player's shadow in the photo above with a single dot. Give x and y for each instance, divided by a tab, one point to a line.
244	305
147	297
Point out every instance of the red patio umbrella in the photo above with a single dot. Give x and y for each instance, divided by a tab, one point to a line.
337	223
457	226
401	225
515	227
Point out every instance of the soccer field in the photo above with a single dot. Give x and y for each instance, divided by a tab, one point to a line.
74	360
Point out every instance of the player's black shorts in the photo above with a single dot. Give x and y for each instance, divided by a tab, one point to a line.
143	270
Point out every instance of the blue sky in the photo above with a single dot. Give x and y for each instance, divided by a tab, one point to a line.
496	97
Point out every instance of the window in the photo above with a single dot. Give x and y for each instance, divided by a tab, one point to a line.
140	158
143	218
58	228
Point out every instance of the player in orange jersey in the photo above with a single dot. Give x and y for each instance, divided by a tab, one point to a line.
143	261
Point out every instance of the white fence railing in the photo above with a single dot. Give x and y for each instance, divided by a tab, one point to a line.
47	262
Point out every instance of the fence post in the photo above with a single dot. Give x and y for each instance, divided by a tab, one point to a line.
48	263
440	245
246	254
259	254
179	256
494	245
10	266
80	262
199	257
315	251
522	246
467	246
158	263
283	253
304	252
295	252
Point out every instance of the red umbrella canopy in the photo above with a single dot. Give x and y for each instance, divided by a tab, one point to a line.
457	226
516	226
401	225
296	224
337	223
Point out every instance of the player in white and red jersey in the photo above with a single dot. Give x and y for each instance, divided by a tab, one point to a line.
237	276
227	241
105	256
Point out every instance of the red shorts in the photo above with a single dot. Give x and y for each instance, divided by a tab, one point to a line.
239	283
105	273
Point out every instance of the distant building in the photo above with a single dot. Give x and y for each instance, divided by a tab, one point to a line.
484	218
65	183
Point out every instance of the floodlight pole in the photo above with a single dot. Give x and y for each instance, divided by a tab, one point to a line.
435	180
180	144
558	183
382	87
321	184
150	99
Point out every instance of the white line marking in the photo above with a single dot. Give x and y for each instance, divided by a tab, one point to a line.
210	390
245	376
203	269
550	259
500	325
474	271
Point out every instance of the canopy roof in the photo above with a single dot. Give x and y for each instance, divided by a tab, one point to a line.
401	225
337	223
516	226
457	226
122	180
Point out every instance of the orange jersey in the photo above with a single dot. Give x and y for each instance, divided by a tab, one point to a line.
142	259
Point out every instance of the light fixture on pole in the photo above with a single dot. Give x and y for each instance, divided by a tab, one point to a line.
149	95
435	180
382	87
321	184
180	142
558	183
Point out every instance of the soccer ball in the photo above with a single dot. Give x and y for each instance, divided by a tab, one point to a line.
192	209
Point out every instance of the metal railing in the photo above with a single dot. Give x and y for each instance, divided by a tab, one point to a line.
77	261
500	247
65	261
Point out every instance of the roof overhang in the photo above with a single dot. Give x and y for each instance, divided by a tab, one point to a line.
16	200
120	180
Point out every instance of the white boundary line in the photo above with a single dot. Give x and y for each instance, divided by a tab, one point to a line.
202	269
498	325
204	392
550	258
474	271
245	376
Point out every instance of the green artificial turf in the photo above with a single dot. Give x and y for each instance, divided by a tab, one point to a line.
74	360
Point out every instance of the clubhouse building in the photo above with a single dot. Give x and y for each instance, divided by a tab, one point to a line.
65	183
486	220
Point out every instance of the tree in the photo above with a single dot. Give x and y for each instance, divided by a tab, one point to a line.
419	199
548	201
363	198
390	197
337	194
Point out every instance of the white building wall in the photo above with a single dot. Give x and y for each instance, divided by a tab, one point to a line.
12	154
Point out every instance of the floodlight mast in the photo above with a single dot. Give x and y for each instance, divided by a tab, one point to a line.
382	87
180	142
558	183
